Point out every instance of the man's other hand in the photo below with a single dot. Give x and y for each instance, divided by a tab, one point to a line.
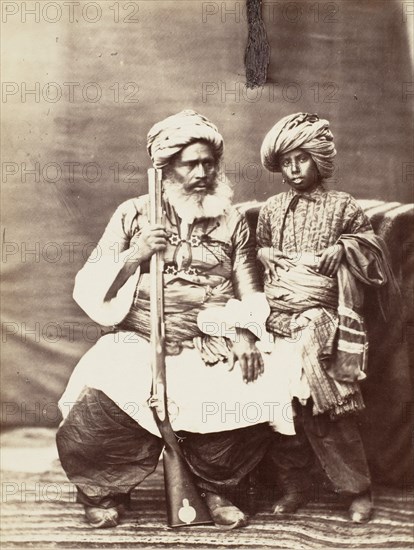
250	359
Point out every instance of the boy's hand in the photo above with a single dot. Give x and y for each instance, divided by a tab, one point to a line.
330	260
272	258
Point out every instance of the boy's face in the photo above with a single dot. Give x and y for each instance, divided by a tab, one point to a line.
299	170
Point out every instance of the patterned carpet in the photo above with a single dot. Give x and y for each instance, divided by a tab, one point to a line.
39	511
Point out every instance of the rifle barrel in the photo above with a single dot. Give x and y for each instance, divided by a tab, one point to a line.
157	298
184	504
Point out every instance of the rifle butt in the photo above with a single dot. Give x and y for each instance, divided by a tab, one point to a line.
185	506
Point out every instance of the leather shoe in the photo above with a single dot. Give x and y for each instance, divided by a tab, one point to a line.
224	513
101	518
290	502
360	510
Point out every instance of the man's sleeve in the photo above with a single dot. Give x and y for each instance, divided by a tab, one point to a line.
102	268
246	275
250	309
263	232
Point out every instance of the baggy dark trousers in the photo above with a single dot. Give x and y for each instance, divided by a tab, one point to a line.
337	444
106	454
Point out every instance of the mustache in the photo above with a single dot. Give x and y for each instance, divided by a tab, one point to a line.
206	183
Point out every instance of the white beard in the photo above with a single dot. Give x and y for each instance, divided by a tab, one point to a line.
197	205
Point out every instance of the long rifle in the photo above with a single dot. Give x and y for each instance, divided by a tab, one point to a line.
184	504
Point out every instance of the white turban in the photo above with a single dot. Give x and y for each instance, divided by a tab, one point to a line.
300	131
168	137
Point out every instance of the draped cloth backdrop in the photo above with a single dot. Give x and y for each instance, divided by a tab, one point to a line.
74	148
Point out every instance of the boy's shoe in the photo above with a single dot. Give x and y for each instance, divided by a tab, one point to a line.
296	489
290	502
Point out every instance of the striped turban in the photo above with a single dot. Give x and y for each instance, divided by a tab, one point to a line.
168	137
300	131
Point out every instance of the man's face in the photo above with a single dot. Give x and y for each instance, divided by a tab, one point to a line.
195	169
299	170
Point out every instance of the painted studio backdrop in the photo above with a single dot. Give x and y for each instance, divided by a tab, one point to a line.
83	83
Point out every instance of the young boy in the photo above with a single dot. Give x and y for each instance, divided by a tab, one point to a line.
318	250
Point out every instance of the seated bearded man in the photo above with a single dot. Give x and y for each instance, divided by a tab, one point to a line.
109	441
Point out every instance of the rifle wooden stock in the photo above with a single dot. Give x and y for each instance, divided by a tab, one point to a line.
184	504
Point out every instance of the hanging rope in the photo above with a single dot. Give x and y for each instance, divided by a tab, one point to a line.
257	55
